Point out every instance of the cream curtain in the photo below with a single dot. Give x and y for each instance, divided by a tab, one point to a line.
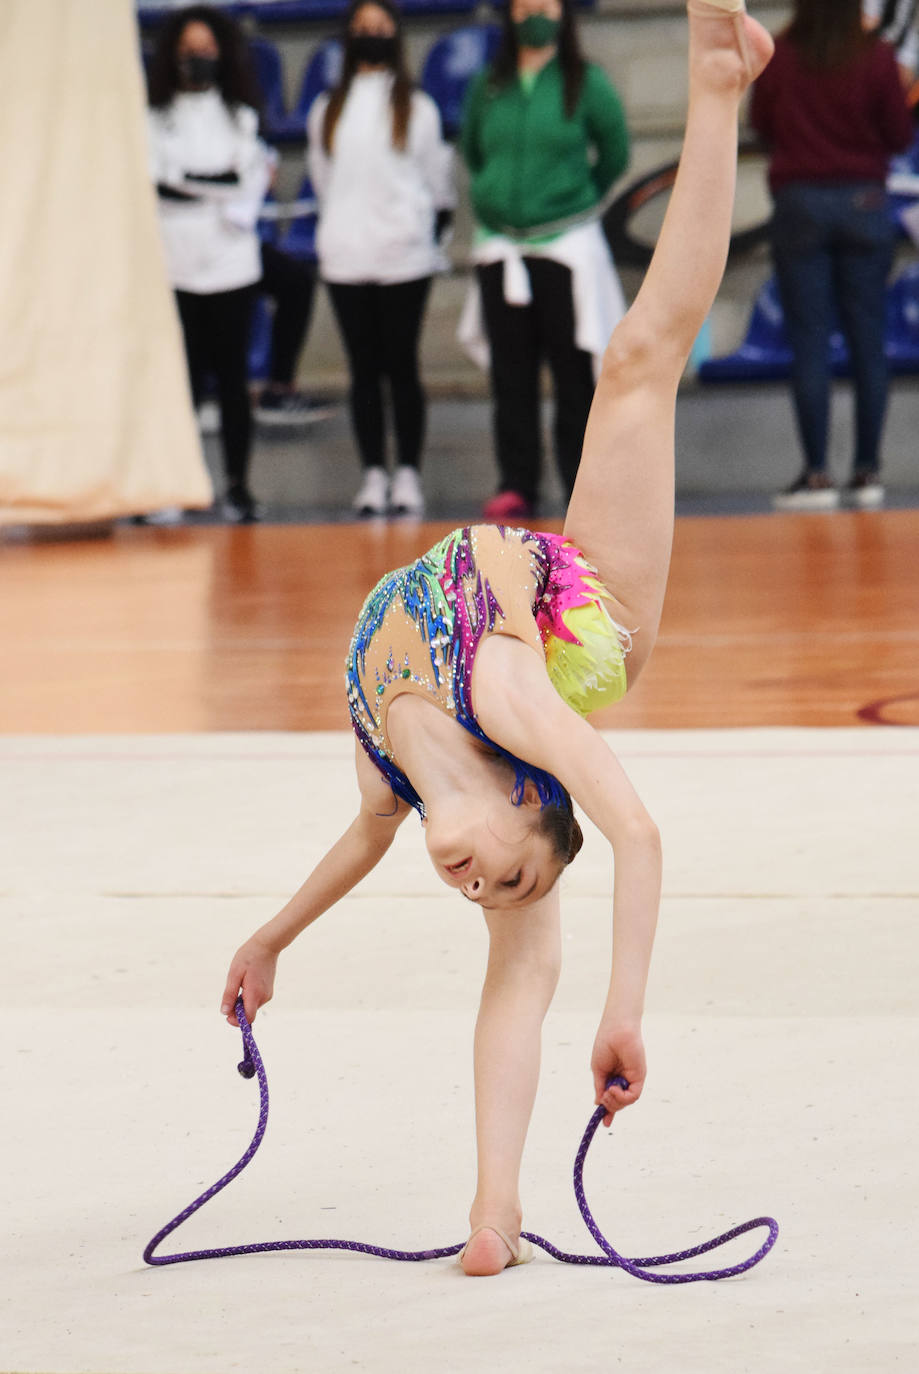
95	413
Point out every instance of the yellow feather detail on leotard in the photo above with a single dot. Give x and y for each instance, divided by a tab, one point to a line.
590	673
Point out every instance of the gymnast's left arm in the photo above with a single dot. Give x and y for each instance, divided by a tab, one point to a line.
518	707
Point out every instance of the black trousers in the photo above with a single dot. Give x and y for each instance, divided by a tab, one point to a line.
291	284
381	327
216	329
520	337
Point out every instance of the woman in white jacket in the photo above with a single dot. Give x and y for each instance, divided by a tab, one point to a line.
211	173
382	174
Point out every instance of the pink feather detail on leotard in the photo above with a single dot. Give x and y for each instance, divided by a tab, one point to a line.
572	582
585	647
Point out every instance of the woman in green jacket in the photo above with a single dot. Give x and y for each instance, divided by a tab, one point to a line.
544	138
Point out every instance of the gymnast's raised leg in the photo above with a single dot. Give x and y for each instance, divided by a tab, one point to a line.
621	515
621	509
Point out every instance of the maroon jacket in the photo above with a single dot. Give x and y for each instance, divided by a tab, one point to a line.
831	126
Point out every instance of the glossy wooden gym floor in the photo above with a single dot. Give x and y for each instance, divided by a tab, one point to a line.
792	620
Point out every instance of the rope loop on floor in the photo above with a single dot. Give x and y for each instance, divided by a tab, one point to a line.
252	1066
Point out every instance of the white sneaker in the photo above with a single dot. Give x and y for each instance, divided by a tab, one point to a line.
290	408
373	497
810	491
406	497
166	515
866	491
209	417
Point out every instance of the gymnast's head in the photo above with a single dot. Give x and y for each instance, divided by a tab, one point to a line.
502	847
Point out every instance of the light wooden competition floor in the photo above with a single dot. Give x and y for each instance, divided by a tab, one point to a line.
776	620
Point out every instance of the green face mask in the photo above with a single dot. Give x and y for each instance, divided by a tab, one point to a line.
536	31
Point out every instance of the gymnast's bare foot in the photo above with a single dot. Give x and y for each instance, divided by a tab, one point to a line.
727	48
488	1251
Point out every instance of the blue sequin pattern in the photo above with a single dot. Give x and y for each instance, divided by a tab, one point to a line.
451	606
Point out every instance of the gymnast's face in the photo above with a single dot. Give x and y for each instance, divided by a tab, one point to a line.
493	854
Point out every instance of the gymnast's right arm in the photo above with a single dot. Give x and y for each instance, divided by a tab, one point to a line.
350	859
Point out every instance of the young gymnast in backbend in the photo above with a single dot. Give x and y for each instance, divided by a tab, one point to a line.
470	673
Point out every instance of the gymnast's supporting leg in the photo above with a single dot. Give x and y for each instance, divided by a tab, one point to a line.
524	958
621	515
621	510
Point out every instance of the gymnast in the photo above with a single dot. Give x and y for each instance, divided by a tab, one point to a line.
470	673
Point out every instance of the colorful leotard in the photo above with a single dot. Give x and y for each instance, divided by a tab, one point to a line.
421	626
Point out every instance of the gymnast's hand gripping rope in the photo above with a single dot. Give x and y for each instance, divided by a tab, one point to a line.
252	1066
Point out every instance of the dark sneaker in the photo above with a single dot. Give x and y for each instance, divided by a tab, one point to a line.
866	491
239	507
812	491
290	408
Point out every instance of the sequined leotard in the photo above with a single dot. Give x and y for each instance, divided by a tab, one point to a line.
421	626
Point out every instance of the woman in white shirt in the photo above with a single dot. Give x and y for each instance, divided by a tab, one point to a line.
211	172
382	174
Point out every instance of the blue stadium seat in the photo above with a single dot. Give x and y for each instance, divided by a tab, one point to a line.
904	164
150	13
260	340
268	228
299	239
450	65
321	73
579	4
294	128
269	73
288	11
764	354
438	6
902	344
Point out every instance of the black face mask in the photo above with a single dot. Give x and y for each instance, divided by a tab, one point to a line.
198	73
374	49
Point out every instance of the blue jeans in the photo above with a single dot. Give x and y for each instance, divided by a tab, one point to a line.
833	248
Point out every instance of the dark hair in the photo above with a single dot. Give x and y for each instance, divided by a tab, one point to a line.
558	823
571	59
828	33
235	76
401	97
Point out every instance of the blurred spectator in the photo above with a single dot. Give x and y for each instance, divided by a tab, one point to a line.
211	173
291	284
831	110
544	137
382	175
289	281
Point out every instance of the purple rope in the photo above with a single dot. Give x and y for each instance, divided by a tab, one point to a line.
252	1066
